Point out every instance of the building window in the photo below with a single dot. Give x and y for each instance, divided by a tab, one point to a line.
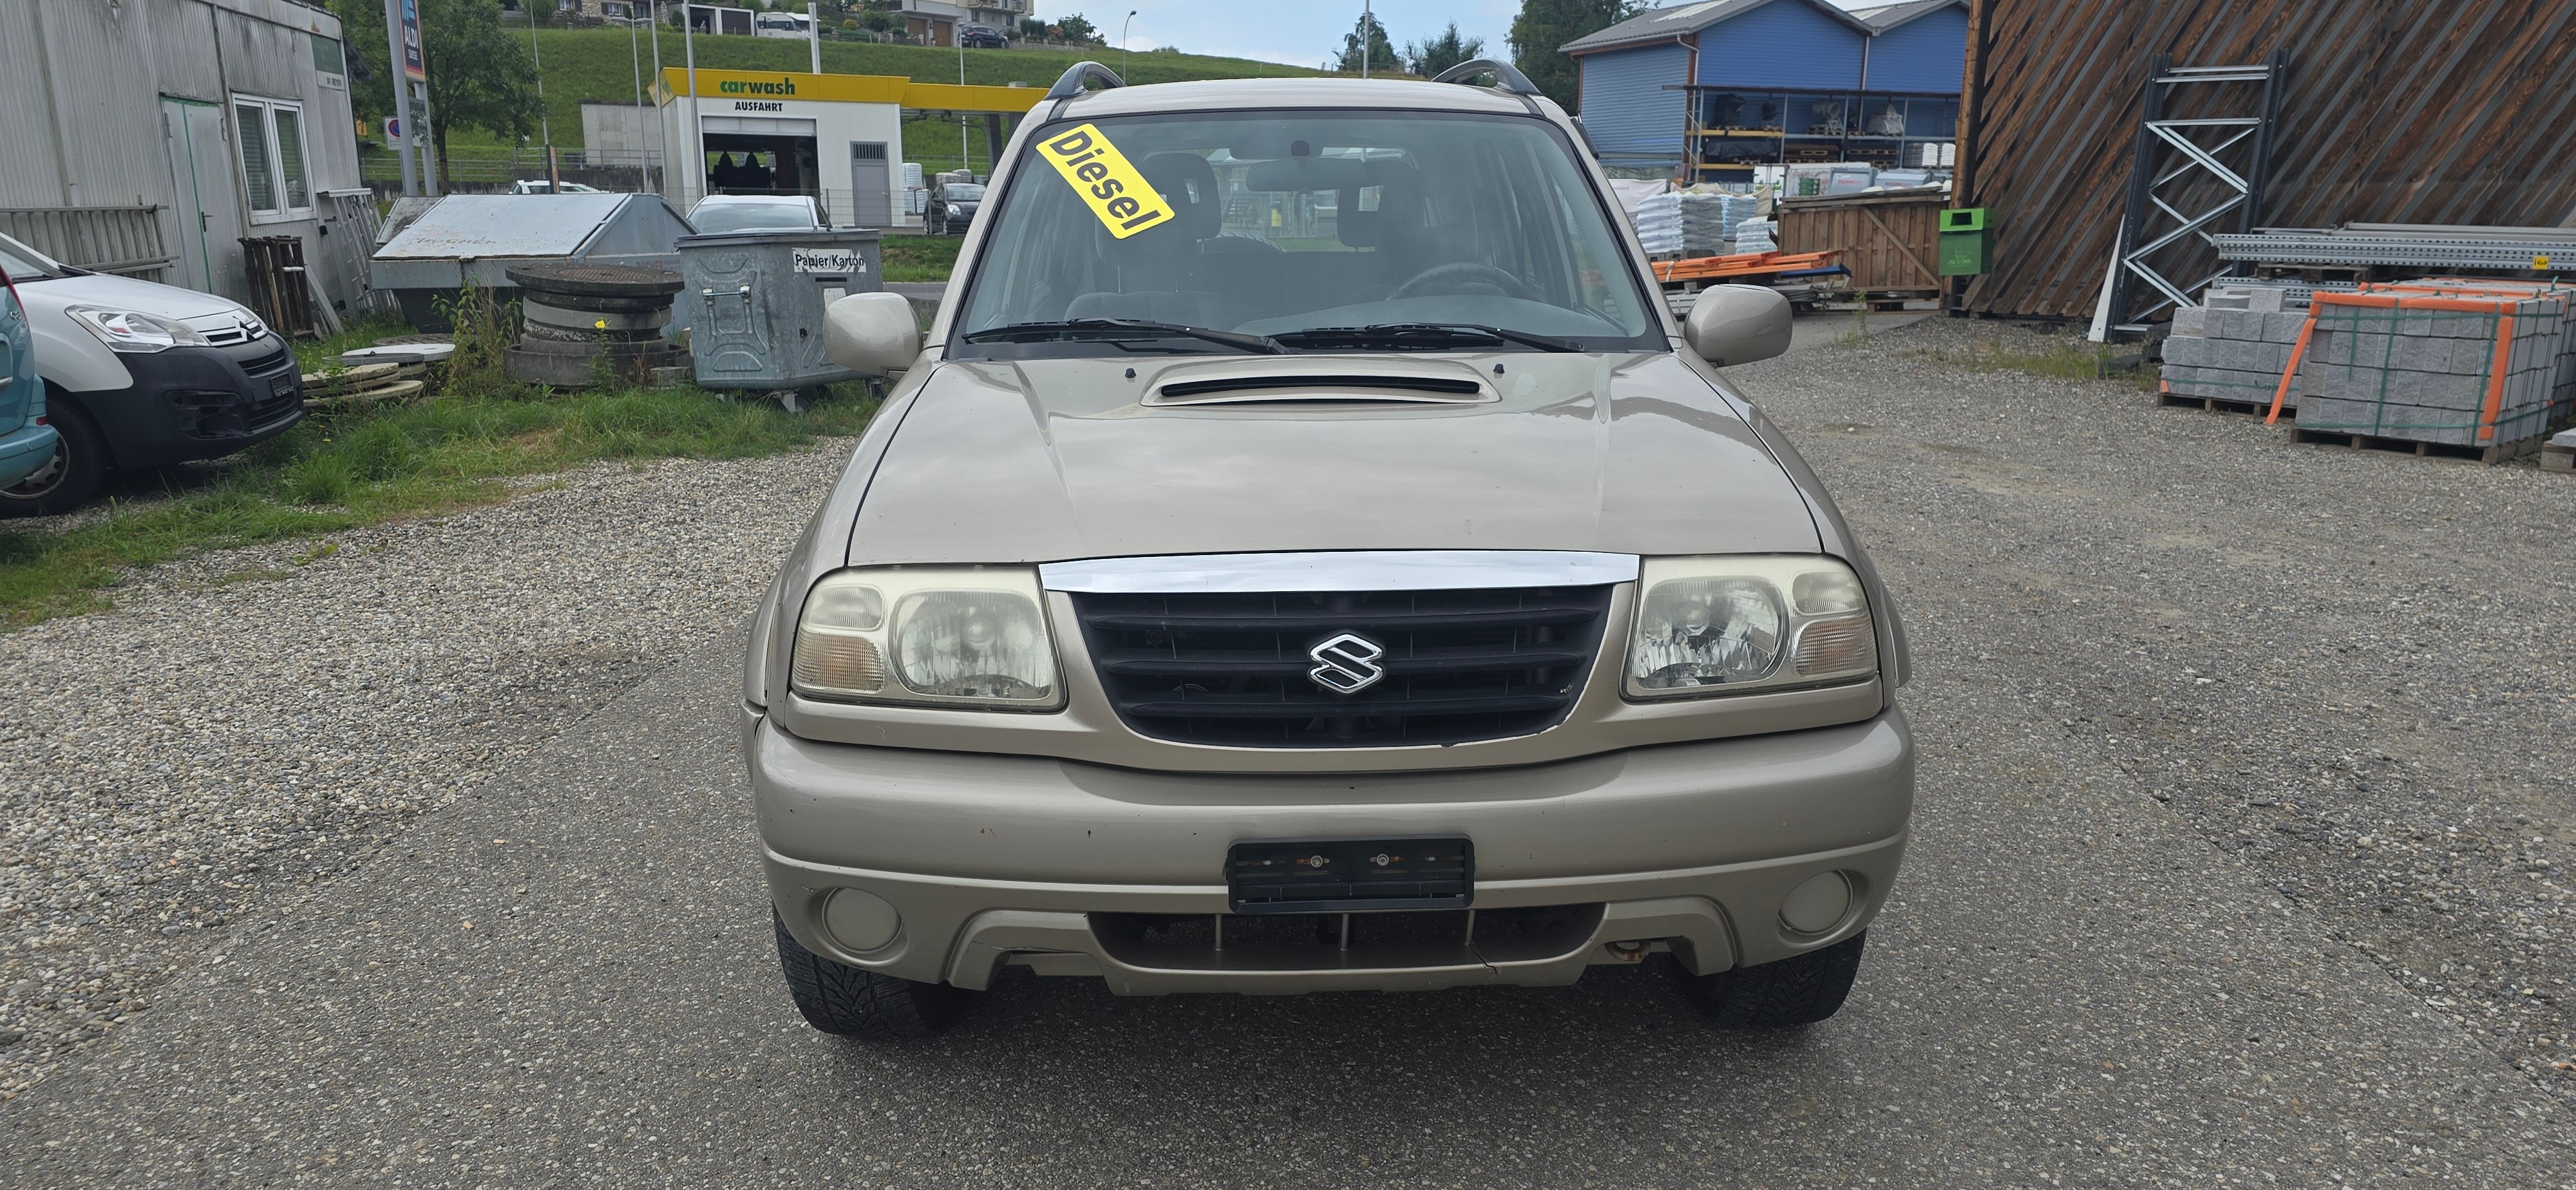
272	157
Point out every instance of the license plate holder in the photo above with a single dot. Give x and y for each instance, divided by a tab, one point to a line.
283	383
1350	875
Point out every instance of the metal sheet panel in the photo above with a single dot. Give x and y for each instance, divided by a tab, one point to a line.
109	144
1630	110
33	178
179	37
2398	111
1784	44
1921	56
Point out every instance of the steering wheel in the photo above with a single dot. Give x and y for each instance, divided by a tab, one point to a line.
1464	270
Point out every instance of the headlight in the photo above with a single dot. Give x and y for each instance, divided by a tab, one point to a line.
940	636
1709	626
955	211
126	330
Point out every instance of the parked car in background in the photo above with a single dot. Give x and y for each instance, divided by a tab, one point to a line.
26	441
725	214
982	37
138	374
952	207
1220	606
542	186
781	24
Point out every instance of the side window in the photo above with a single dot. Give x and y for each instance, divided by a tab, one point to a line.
271	140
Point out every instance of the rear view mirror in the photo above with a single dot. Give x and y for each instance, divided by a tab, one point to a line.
1737	324
872	334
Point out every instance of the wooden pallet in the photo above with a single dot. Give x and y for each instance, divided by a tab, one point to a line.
2496	452
368	384
2252	408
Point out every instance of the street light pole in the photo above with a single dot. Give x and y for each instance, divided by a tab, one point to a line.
1122	41
545	125
1368	36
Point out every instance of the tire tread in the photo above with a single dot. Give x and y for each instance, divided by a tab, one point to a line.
846	1001
1792	992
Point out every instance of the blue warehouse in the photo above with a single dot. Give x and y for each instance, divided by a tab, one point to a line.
1714	89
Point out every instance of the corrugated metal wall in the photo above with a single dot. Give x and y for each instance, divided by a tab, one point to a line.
89	76
1628	112
1924	54
1784	44
2398	111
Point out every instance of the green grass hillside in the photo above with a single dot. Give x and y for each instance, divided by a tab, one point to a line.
596	64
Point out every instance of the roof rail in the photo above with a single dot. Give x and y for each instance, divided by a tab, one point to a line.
1084	72
1505	76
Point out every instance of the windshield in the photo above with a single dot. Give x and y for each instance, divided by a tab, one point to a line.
1285	224
962	192
23	263
720	218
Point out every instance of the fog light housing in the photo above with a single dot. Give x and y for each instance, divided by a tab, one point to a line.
860	920
1817	905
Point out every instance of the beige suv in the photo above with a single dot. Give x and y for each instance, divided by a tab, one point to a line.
1304	554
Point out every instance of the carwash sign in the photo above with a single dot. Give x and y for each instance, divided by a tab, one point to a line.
783	87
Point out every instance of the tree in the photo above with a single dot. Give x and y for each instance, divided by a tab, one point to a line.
1429	58
1381	51
1544	25
479	73
1077	29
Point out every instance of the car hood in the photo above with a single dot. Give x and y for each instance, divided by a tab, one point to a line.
1052	460
203	311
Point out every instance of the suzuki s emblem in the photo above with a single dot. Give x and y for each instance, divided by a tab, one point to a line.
1346	664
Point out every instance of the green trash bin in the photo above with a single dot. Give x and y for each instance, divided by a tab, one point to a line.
1967	245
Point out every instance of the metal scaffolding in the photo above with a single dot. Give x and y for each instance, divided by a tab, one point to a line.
2190	173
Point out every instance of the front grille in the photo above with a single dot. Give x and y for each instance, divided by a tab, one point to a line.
1233	669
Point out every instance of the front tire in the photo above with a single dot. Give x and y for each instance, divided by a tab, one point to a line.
1795	991
77	470
846	1001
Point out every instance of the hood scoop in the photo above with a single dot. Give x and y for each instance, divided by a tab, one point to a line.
1275	381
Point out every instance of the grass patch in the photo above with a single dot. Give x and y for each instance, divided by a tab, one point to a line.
920	258
345	470
2075	359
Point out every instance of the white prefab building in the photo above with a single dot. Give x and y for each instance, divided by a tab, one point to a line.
835	137
147	137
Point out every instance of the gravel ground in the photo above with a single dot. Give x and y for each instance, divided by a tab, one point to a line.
2351	668
248	723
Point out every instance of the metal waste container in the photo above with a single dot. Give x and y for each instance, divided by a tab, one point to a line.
759	298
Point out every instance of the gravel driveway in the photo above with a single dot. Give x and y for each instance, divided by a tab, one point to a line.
2355	669
250	722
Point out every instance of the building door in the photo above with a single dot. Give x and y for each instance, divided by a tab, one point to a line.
207	210
871	185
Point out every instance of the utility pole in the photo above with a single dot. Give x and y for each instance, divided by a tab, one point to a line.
696	178
400	81
661	138
635	57
545	124
814	32
965	156
1368	36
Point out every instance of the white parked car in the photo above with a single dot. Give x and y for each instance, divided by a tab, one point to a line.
542	186
138	374
724	214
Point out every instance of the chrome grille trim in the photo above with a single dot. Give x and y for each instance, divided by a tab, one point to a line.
1338	570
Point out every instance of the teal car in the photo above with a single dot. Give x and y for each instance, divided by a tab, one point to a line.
26	442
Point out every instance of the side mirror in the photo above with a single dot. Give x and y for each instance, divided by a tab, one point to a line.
871	333
1737	324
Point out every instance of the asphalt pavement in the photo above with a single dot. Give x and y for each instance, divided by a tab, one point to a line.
565	978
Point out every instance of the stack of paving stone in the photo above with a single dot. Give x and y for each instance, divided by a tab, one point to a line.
2230	351
583	321
2415	363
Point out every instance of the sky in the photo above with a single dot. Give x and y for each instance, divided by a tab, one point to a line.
1299	33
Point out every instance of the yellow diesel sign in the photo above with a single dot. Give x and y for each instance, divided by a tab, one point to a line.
1120	197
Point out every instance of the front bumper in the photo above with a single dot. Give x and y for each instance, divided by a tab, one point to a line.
191	403
1054	864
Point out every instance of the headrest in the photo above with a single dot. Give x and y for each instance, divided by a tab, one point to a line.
1188	183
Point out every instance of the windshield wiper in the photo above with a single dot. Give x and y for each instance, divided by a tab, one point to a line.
1400	335
1091	328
